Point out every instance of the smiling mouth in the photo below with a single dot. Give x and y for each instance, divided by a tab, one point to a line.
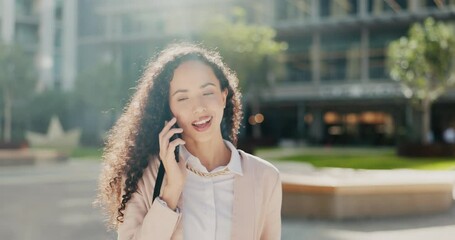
203	124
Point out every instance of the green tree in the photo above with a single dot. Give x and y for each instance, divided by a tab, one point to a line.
99	87
423	62
99	97
17	83
250	50
50	102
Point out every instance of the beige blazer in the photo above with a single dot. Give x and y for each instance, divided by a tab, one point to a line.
256	206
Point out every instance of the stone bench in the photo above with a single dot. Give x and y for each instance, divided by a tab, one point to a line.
347	193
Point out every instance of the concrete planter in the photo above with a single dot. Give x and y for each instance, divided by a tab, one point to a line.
367	194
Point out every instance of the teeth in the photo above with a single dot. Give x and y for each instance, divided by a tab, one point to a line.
202	121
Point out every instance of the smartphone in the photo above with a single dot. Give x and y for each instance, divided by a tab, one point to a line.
161	171
169	116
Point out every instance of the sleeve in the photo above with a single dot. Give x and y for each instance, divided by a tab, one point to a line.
158	222
272	226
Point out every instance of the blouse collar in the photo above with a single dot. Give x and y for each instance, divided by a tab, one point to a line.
234	164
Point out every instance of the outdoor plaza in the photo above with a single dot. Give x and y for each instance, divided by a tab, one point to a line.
318	203
361	155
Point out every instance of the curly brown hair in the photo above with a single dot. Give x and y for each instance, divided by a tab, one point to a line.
129	147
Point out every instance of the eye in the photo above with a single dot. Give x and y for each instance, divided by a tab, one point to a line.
181	99
207	94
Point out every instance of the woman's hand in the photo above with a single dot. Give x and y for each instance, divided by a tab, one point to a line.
175	171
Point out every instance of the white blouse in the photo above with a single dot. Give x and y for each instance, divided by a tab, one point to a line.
207	201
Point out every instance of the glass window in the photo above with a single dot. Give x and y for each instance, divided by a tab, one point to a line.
378	7
90	23
437	4
338	8
340	56
293	9
57	70
26	34
24	7
142	23
299	60
59	10
58	37
369	128
433	4
378	42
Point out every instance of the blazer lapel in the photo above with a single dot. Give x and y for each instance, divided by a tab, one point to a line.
243	214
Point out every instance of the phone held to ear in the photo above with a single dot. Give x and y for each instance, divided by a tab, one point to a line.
175	136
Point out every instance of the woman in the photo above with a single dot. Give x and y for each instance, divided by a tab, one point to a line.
188	100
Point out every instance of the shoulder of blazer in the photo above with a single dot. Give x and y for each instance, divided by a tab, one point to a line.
149	171
149	174
261	167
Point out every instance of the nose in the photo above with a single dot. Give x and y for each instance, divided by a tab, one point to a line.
199	106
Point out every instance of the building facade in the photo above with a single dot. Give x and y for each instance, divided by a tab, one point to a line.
127	33
337	90
46	31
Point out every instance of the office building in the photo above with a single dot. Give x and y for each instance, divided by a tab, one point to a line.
338	90
46	31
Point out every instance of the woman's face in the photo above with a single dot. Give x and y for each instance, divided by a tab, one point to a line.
197	101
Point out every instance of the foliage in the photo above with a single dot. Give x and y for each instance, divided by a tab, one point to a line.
423	62
244	47
47	104
17	72
17	85
100	88
98	98
251	51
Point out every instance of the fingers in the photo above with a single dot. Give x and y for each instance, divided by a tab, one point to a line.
166	147
169	152
171	133
161	136
174	144
168	126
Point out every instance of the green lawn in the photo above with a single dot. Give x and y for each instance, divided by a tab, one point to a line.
362	158
357	158
87	153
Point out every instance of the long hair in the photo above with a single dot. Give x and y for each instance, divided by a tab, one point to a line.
129	147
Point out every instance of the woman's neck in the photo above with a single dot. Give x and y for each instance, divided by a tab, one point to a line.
212	154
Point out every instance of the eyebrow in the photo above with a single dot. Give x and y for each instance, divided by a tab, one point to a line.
207	84
202	86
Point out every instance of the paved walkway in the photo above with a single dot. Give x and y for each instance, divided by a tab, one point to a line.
437	227
54	202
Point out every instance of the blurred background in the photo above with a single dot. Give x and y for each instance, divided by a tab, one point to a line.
320	64
352	84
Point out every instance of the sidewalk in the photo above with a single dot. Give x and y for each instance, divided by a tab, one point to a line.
67	189
436	226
